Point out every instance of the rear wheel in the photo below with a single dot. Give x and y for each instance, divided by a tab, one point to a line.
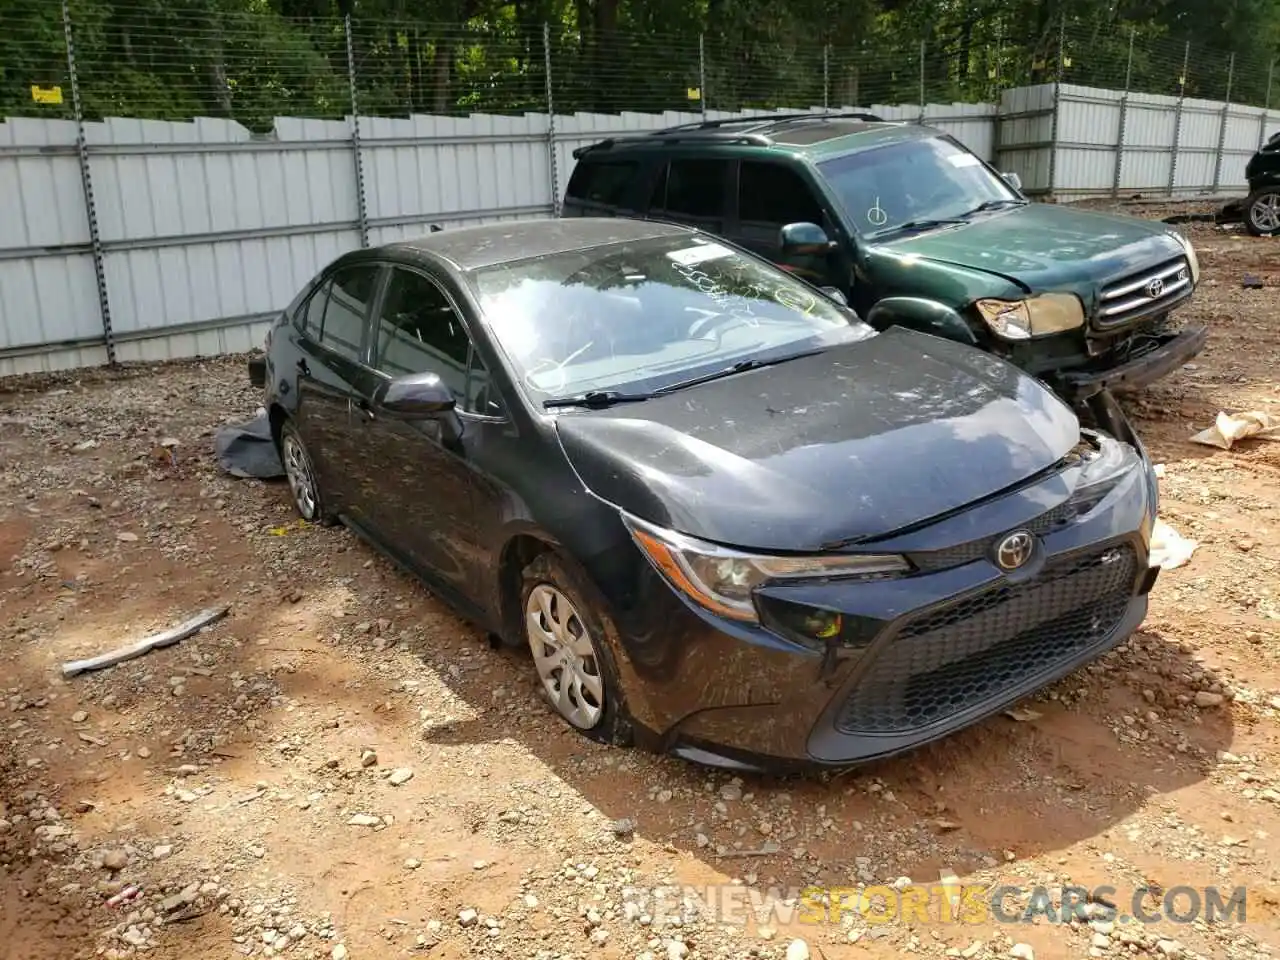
569	640
1262	212
301	474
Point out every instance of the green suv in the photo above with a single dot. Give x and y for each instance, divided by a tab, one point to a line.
910	228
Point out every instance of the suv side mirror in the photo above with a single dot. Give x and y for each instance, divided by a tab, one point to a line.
418	396
1013	180
804	239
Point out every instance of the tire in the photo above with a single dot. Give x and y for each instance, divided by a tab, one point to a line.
1262	212
594	705
300	471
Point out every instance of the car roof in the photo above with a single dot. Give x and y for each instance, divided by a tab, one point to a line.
815	135
490	244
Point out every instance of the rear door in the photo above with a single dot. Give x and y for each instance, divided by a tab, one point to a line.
694	191
329	371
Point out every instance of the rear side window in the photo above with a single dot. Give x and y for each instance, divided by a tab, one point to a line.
773	195
348	309
692	191
602	184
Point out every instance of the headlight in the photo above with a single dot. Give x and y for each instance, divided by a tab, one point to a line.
1192	261
1040	316
723	580
1104	462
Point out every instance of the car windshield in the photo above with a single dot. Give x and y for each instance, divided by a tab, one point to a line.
637	317
912	182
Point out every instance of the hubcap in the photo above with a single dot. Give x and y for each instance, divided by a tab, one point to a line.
564	656
298	469
1265	212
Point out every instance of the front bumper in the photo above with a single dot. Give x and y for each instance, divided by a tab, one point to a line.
943	649
1144	370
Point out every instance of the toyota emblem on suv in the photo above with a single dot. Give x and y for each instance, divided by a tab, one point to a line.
1015	550
1155	288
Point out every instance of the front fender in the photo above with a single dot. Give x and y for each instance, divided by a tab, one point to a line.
923	315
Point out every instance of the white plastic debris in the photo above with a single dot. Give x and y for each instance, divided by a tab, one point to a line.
1230	427
1169	549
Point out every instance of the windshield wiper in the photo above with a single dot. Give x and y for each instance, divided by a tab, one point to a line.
740	367
595	398
926	224
995	205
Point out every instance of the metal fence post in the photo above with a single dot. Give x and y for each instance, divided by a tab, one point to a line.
923	51
1124	116
1266	109
551	122
362	213
1222	130
1057	106
1177	119
826	76
86	181
702	73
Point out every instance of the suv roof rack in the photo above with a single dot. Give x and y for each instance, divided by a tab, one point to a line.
714	130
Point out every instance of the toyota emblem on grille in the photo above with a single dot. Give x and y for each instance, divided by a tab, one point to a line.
1155	288
1015	550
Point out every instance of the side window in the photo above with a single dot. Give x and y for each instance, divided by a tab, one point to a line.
773	195
419	332
695	193
310	319
481	396
350	292
602	184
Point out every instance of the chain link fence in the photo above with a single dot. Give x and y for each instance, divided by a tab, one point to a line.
150	62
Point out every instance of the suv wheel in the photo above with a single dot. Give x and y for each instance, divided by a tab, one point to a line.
569	640
1262	212
301	474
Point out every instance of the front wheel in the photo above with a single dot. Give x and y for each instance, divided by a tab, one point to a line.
301	474
1262	212
569	641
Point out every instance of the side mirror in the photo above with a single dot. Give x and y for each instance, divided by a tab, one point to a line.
836	294
418	396
804	239
1013	180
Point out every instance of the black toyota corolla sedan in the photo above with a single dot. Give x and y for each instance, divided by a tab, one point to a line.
728	519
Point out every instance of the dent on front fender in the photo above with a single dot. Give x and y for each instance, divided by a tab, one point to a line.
922	314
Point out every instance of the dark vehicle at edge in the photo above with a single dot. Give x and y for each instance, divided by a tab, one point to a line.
729	520
1260	210
916	230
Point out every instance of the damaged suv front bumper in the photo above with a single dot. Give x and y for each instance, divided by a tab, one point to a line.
1080	386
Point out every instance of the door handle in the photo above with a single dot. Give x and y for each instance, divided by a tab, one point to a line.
304	368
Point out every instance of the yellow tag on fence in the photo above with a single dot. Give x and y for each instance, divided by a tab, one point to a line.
46	94
694	93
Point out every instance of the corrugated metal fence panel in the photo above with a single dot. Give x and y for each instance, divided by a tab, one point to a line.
1149	128
1026	135
1198	146
1088	131
46	295
202	224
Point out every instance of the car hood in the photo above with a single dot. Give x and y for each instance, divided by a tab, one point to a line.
849	444
1042	246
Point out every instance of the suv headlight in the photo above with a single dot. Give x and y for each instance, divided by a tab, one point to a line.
723	580
1192	261
1040	316
1104	462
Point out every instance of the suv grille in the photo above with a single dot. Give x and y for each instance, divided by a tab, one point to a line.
976	649
1145	294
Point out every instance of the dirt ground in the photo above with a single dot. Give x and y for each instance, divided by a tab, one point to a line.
341	768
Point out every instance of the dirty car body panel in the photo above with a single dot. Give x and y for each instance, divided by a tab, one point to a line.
924	532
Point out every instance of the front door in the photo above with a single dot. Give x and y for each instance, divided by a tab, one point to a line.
419	503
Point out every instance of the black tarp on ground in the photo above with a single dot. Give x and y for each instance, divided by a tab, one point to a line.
245	450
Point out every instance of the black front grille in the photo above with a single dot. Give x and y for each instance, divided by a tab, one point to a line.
963	553
978	648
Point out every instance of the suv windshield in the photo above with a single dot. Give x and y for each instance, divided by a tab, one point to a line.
646	315
912	182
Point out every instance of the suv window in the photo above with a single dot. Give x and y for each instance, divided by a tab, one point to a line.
350	293
691	191
772	195
418	331
602	184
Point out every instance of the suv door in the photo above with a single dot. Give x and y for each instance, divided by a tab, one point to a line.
331	344
418	503
768	197
693	191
